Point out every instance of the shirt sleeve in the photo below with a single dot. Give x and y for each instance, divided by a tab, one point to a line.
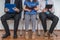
37	3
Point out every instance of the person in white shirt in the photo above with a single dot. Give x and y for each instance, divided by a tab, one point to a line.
47	13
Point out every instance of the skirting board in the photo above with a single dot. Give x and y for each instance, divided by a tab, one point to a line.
24	30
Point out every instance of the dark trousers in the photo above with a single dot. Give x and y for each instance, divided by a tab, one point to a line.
7	16
51	16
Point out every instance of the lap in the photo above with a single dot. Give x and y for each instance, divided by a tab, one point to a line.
51	16
6	16
42	16
17	16
27	17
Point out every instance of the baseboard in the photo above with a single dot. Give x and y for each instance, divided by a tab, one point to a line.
29	30
0	18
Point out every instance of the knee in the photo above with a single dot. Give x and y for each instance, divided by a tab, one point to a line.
2	18
43	21
56	19
17	19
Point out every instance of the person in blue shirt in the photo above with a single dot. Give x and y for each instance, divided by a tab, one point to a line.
30	8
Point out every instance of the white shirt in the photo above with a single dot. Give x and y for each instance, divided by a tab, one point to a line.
12	1
31	0
43	3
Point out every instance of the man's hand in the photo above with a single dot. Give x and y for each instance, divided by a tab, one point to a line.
6	9
16	9
28	10
25	9
44	10
36	8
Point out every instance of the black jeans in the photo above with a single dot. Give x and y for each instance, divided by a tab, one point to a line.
51	16
7	16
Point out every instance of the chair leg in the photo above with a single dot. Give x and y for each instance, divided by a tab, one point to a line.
55	34
38	31
20	32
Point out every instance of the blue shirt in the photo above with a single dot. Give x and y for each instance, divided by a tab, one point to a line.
31	5
10	5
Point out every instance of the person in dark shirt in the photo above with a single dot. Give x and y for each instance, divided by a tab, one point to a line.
12	11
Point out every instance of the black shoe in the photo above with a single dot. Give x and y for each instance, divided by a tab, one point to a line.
50	35
15	36
45	34
5	35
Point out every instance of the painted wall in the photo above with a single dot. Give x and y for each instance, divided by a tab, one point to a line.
11	22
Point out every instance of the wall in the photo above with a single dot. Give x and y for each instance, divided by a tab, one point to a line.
11	24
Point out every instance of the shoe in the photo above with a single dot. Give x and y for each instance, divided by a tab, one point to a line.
5	35
34	35
15	36
45	34
50	35
30	34
26	35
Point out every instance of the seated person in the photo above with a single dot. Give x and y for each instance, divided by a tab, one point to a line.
11	12
30	8
47	13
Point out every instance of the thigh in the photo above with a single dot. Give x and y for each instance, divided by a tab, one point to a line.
42	16
51	16
33	18
17	16
6	16
27	17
